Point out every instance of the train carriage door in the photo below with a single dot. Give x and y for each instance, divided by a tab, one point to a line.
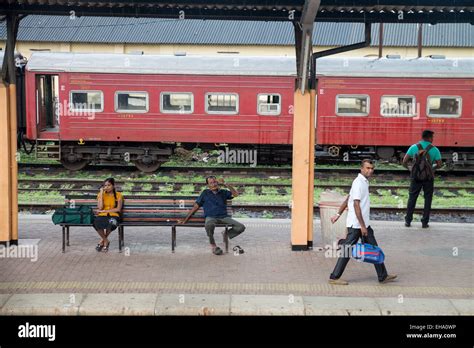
47	103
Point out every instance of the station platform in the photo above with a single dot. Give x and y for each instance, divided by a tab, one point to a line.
434	268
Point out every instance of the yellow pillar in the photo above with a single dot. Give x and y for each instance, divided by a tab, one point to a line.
302	171
5	175
312	138
13	164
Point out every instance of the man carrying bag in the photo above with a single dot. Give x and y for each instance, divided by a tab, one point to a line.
358	225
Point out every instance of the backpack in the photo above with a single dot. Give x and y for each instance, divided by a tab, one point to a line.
422	169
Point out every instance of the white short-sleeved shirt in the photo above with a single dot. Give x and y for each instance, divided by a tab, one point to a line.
360	191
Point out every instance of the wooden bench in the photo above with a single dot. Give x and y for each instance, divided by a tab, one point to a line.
142	210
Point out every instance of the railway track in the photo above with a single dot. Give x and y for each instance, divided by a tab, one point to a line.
166	186
284	172
91	186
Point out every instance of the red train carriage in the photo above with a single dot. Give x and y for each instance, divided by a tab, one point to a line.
111	108
383	105
138	104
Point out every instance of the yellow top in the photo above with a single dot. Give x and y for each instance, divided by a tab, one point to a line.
109	203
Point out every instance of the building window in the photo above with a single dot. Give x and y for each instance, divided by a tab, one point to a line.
222	103
131	101
398	106
444	106
352	105
268	104
87	101
177	103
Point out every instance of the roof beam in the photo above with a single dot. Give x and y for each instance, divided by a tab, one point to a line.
388	11
304	41
8	67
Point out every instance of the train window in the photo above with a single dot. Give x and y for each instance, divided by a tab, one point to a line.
352	105
398	106
222	103
131	101
86	101
444	106
268	104
177	103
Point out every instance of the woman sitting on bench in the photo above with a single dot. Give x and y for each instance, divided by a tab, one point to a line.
109	206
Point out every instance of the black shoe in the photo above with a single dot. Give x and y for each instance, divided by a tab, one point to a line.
425	226
217	251
99	247
407	224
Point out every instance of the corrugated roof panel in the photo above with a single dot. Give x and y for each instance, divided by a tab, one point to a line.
442	35
93	29
220	32
401	35
54	28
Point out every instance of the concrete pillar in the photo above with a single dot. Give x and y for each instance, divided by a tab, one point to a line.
8	165
13	164
312	137
303	171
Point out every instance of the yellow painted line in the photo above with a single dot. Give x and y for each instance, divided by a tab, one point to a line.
258	288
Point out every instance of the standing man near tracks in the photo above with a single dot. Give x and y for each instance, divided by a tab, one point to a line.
427	159
358	225
214	202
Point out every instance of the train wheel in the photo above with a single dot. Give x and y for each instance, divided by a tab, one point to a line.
334	151
147	167
77	165
385	152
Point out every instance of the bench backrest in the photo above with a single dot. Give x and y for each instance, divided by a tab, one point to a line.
163	209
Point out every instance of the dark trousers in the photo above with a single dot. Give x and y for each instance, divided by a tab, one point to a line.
415	188
210	225
353	235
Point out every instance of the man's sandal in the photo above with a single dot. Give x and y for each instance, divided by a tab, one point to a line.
217	251
238	249
106	248
99	247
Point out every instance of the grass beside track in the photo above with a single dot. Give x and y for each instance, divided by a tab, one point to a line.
268	195
442	198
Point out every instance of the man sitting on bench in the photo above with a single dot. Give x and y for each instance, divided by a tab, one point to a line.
214	202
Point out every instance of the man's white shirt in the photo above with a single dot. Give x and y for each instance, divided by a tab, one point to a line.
359	191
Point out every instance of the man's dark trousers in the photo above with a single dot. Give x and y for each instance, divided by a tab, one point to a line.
353	235
415	188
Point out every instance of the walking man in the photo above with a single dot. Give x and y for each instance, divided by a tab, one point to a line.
427	159
214	202
358	225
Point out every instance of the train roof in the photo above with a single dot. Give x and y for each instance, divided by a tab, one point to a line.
247	65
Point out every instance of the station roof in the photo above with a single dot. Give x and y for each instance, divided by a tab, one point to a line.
246	65
434	11
217	32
